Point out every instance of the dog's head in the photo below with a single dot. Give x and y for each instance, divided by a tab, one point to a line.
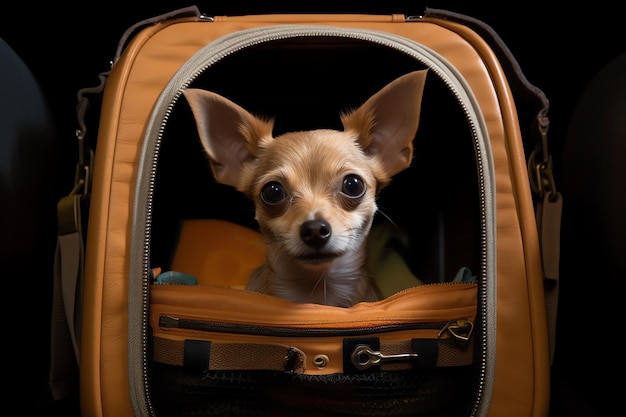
314	191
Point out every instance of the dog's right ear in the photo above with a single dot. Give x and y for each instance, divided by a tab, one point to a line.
230	134
387	122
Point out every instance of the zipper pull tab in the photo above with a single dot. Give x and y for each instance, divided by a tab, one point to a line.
168	322
458	329
364	357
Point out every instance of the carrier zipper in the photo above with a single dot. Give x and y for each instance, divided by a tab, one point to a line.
458	329
229	44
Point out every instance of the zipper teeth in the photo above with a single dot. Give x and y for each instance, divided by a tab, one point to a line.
482	289
236	41
263	330
146	267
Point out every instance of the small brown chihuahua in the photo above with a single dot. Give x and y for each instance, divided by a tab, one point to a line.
314	191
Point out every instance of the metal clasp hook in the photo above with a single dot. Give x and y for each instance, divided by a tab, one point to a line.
540	171
364	357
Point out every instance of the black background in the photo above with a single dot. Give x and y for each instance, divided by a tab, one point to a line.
560	49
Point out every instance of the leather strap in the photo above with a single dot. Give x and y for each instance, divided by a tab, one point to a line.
198	356
549	223
228	356
190	11
66	297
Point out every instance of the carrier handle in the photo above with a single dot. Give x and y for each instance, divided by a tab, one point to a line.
528	91
191	11
542	179
313	18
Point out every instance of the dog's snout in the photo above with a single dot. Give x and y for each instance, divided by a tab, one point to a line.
315	232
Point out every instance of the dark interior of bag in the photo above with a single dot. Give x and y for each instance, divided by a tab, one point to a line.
304	83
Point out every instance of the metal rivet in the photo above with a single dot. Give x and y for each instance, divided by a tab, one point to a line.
321	361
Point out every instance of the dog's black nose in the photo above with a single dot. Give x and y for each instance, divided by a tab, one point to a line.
315	232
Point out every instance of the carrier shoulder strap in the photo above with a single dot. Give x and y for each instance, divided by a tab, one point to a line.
69	262
548	200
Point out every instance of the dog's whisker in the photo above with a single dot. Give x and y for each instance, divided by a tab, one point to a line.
259	242
322	280
382	213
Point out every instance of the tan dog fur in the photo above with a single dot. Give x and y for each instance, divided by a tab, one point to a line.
307	189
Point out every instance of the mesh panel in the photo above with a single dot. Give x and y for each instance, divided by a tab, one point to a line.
440	392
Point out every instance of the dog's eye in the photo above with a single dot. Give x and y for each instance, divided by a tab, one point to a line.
273	193
353	186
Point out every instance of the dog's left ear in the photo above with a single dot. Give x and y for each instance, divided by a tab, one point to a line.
387	122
